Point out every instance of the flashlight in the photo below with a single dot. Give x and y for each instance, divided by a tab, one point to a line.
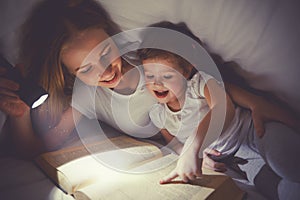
32	94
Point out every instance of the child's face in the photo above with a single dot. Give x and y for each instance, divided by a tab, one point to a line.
94	58
165	80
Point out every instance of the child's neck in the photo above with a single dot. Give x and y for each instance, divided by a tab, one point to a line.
177	104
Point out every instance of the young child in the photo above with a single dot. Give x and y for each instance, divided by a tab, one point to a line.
186	100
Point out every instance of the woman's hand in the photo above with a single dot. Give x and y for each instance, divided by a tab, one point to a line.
264	111
10	103
188	168
208	163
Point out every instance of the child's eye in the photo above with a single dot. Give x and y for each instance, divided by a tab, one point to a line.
168	76
149	76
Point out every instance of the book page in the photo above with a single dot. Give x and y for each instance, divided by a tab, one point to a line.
125	143
144	185
95	177
75	167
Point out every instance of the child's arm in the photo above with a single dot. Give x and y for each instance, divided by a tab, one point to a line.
262	110
188	166
171	141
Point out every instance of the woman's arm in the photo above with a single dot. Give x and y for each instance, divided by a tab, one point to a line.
28	144
25	141
59	134
262	109
18	123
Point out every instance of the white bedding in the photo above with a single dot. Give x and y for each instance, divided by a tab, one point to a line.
262	36
21	179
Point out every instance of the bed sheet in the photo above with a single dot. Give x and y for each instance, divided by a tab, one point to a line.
20	179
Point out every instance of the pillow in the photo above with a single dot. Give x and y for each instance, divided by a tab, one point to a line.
262	37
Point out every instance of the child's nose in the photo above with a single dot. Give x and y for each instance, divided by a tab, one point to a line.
158	81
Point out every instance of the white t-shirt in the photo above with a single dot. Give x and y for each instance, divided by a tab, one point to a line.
185	122
128	113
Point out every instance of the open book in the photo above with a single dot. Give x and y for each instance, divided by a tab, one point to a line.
130	171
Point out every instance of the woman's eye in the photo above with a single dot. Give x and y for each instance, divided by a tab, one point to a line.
105	54
85	69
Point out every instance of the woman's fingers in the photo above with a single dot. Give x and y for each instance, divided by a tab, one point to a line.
8	94
8	84
212	152
2	70
12	106
210	163
258	126
216	166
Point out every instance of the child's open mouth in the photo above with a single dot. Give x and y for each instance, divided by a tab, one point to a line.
162	94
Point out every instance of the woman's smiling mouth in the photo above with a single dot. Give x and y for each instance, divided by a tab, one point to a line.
110	80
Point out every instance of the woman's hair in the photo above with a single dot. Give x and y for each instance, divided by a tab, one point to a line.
50	24
152	53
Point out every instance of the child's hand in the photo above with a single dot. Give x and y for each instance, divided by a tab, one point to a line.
264	111
188	168
211	164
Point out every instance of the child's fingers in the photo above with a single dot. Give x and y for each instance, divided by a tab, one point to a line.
185	178
173	174
198	173
193	176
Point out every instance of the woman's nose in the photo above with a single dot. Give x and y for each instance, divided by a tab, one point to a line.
105	71
99	69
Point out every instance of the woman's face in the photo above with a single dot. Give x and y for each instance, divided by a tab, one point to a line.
93	58
165	80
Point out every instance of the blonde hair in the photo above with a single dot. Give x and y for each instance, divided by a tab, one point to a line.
50	25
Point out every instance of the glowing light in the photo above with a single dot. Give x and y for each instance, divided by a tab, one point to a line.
39	101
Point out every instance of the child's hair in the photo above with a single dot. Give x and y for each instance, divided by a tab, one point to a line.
152	53
50	24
